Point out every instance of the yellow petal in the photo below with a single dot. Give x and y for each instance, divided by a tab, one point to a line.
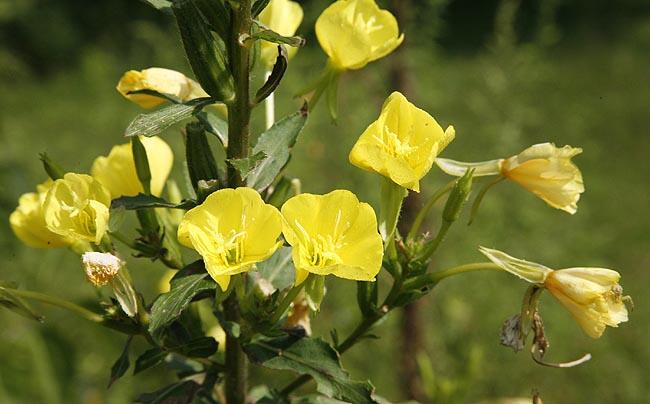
592	296
355	32
117	170
28	223
77	207
164	81
332	234
401	144
548	172
232	230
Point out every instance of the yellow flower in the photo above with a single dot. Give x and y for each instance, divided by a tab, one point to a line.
117	170
548	172
28	221
592	295
355	32
164	81
332	234
76	207
543	169
402	143
283	17
232	230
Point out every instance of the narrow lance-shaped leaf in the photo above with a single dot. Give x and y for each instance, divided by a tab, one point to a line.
314	357
275	77
205	52
121	365
141	163
179	392
142	201
153	123
278	269
170	305
269	35
149	359
276	144
201	164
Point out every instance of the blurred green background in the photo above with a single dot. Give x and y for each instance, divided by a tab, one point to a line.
506	74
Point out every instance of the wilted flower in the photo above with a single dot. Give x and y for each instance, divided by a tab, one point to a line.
332	234
592	295
232	230
76	206
355	32
100	268
402	143
117	170
283	17
28	222
548	172
164	81
543	169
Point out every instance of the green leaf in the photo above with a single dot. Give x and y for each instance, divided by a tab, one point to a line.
214	125
155	122
314	357
17	304
217	15
269	35
159	4
121	365
201	164
141	163
258	7
246	165
276	143
142	201
179	392
280	66
149	359
170	305
201	347
116	218
278	269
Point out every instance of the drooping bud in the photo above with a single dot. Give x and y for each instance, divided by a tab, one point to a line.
458	197
100	268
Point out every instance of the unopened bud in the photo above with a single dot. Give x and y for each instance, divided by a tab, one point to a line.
100	268
457	197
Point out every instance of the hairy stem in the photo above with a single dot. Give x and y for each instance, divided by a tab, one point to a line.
239	113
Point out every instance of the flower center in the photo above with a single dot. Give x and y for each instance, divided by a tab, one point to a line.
393	145
320	250
229	248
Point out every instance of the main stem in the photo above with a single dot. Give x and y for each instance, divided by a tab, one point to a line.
239	113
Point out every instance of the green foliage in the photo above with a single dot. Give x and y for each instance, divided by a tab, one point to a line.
153	123
276	144
169	306
314	357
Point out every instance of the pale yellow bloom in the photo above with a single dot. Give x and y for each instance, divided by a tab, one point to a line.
548	172
283	17
543	169
592	295
100	268
28	222
164	81
332	234
77	207
232	230
402	143
355	32
117	170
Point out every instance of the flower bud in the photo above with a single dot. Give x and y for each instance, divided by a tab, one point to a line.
458	197
100	268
